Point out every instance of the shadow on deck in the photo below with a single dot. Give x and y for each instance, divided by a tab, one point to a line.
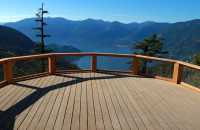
7	117
97	100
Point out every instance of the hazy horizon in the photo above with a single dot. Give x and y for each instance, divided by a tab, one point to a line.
102	20
129	11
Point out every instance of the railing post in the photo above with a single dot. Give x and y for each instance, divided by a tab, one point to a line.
136	66
177	73
51	64
94	63
8	71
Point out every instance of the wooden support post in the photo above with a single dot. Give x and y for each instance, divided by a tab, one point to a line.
51	64
136	66
177	73
94	63
8	71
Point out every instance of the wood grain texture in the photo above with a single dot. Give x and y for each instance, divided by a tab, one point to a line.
90	101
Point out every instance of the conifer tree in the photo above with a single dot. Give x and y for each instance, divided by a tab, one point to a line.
150	46
40	48
196	59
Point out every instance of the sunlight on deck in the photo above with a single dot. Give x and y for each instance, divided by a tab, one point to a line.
98	101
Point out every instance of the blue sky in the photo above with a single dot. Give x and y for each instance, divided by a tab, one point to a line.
110	10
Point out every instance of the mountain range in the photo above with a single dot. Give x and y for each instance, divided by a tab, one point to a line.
181	39
14	42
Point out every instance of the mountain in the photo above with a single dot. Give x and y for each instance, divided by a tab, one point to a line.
85	33
181	39
13	41
62	48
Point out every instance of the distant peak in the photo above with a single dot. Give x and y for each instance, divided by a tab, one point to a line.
194	21
93	20
89	19
148	22
60	18
116	22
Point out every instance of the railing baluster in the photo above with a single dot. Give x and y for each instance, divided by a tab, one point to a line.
136	63
51	64
8	71
94	63
177	73
136	66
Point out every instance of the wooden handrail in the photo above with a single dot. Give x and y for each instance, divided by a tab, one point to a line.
178	65
192	66
40	56
156	58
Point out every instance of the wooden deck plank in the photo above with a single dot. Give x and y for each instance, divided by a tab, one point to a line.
22	116
156	122
95	101
11	98
97	107
45	117
90	103
153	107
124	108
112	112
5	92
4	89
42	107
138	107
83	110
133	111
36	119
21	93
70	107
75	124
55	109
24	123
27	121
168	109
12	95
161	108
63	107
120	114
104	107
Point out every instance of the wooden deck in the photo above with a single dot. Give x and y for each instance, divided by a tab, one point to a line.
89	101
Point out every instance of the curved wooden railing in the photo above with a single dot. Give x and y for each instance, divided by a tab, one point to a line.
8	63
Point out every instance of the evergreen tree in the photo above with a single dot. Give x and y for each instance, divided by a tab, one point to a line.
150	46
196	59
37	49
5	53
40	48
40	19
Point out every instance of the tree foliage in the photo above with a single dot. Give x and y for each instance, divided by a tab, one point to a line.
39	48
150	46
192	76
196	59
